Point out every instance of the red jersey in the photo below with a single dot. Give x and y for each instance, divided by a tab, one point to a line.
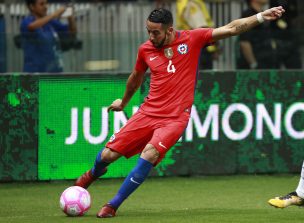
173	72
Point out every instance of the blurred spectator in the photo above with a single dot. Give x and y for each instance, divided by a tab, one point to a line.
163	3
192	14
2	45
40	37
258	48
288	42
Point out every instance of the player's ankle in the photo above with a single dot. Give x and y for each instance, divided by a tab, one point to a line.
99	174
300	194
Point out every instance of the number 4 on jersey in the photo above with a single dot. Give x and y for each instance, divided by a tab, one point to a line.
170	67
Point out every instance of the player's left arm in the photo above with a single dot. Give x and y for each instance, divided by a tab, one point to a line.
134	82
239	26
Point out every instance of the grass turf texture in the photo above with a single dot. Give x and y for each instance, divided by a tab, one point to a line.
199	199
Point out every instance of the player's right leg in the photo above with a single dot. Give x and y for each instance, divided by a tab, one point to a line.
103	159
127	142
293	198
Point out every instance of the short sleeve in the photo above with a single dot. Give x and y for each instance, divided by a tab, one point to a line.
201	36
141	64
59	27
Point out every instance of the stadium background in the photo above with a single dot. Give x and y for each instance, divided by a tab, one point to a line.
111	31
36	109
37	114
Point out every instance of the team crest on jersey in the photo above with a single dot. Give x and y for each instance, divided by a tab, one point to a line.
112	138
182	48
168	53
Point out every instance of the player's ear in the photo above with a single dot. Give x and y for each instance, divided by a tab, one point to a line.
170	30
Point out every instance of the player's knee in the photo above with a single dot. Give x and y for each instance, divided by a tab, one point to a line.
150	153
109	155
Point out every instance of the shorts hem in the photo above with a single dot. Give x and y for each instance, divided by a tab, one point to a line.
115	150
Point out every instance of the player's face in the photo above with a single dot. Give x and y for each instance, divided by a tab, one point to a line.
158	35
39	8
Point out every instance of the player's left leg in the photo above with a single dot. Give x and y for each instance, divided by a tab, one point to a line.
293	198
136	177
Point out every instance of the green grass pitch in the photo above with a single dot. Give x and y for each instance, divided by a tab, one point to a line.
199	199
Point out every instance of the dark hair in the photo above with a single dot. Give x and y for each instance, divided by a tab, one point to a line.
30	2
162	16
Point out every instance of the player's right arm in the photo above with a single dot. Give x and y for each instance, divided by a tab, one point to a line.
44	20
239	26
134	82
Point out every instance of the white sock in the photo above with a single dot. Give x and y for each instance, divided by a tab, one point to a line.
300	189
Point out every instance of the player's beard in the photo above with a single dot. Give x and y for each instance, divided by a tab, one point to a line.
162	42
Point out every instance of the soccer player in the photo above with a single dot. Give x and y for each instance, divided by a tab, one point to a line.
294	198
172	57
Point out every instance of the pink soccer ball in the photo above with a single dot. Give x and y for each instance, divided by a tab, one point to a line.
75	201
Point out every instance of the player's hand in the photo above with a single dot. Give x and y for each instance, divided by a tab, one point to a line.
59	11
273	13
116	106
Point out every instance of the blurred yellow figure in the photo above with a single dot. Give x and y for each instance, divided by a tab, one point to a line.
193	14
